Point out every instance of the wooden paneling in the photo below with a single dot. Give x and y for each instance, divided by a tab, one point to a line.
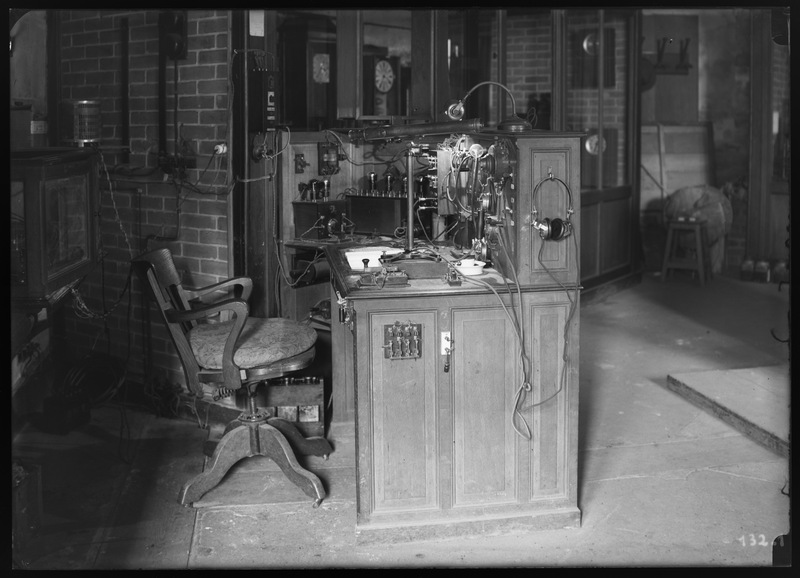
554	392
588	239
343	380
779	206
539	157
402	403
616	246
437	451
484	381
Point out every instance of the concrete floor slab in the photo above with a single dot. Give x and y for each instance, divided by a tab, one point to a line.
755	401
661	482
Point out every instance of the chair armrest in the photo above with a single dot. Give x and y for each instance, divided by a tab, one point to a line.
246	283
230	371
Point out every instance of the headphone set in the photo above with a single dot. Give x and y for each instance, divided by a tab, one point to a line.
552	229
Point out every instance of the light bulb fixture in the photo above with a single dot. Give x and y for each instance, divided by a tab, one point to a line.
512	124
455	111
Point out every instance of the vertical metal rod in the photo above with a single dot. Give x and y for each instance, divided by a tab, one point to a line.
501	65
125	83
410	200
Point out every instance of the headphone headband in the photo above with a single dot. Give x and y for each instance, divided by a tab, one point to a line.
570	209
555	229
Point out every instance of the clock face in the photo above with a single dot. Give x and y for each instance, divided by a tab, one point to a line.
384	76
593	144
322	68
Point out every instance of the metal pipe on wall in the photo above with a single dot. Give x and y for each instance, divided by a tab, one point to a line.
410	200
126	121
407	130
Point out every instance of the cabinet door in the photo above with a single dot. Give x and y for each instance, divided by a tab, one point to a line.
551	408
397	418
542	262
484	381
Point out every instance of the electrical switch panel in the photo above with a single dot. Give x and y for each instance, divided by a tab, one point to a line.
402	340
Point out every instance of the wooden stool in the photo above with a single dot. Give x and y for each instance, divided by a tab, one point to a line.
702	261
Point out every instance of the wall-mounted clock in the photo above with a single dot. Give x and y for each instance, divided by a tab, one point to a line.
593	144
384	75
321	68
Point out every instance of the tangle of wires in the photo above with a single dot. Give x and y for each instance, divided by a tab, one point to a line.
516	317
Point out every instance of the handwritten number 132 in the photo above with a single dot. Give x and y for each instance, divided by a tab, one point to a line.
754	540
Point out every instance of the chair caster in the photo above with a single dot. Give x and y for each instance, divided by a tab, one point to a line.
316	503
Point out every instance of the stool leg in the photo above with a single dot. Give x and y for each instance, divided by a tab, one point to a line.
701	257
667	254
707	253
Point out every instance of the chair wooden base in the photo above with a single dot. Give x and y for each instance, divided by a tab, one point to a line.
256	435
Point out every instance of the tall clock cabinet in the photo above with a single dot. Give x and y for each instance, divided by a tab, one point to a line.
383	84
308	60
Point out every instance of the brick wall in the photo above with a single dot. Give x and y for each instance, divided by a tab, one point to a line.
529	61
141	207
582	103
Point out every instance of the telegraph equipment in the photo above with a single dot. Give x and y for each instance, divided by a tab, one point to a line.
263	93
324	219
494	189
328	156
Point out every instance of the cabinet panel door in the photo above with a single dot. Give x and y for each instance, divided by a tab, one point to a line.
552	403
550	168
404	417
484	381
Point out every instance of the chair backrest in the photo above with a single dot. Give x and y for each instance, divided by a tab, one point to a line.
162	282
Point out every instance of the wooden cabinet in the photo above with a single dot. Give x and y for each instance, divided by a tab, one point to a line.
437	450
465	396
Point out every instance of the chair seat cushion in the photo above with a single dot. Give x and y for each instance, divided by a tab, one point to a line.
262	342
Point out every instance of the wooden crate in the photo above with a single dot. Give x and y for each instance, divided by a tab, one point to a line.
299	400
674	156
296	394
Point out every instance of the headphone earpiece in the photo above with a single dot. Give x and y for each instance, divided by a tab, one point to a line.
554	230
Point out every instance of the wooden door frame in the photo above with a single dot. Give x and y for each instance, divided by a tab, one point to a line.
760	169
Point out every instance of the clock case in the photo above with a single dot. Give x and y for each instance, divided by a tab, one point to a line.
382	104
309	103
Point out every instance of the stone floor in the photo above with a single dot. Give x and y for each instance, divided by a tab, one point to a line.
662	481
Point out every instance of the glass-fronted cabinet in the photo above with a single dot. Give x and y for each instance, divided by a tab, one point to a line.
572	70
52	230
600	101
567	70
308	68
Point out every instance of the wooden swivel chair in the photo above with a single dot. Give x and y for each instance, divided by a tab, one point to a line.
230	354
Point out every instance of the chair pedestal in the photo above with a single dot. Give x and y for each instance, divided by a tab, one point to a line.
254	434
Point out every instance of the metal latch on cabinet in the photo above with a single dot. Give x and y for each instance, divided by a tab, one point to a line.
346	312
447	347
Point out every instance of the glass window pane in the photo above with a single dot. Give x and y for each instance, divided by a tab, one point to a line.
386	58
614	101
307	67
66	223
529	63
597	93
